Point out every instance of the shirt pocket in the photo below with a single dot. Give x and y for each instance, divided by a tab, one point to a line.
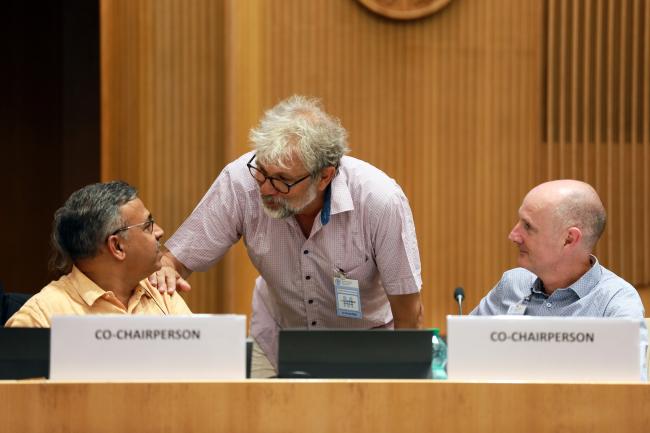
366	273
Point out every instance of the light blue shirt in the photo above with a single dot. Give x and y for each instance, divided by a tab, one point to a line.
598	293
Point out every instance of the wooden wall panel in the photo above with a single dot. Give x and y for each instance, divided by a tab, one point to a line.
445	105
243	99
49	127
596	117
163	126
466	109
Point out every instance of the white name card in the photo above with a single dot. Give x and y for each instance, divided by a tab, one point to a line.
543	348
120	347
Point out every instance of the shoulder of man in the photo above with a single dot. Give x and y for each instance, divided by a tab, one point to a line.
38	309
613	281
55	293
621	298
363	170
174	302
236	169
614	285
234	178
368	183
518	280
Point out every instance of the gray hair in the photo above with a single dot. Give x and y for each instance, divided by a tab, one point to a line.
299	124
87	218
582	208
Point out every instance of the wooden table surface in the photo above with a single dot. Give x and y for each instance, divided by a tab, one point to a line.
354	406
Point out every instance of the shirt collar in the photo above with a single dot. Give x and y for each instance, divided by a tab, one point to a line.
91	292
341	199
583	285
588	281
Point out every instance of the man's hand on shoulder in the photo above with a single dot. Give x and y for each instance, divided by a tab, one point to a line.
168	278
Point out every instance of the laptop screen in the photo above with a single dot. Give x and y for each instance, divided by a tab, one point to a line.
369	354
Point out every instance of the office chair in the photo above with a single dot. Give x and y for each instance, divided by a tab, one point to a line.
10	303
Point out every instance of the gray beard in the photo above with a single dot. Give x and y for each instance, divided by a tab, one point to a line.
286	210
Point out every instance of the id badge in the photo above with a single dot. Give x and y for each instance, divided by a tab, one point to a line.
348	299
517	309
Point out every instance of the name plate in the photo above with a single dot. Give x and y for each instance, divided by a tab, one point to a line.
543	348
120	347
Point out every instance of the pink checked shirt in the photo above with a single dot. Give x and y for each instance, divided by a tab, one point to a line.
370	236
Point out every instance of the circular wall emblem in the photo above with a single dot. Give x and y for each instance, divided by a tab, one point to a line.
404	9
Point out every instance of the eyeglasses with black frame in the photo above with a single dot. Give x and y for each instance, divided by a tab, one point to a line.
278	184
147	226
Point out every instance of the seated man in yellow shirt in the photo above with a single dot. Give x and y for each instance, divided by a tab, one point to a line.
105	243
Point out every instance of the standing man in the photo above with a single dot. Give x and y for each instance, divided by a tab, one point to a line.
559	225
331	236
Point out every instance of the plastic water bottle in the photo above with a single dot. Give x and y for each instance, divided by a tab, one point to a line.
439	356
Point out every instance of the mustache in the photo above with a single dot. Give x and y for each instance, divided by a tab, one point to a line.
274	200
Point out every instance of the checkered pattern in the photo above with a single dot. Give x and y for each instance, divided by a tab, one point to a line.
598	293
370	236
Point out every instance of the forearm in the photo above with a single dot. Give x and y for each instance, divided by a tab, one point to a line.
411	322
408	311
168	259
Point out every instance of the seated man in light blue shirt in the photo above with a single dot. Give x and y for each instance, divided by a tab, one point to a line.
559	225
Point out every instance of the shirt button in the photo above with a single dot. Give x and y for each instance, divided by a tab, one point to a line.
311	301
313	323
549	305
307	277
306	252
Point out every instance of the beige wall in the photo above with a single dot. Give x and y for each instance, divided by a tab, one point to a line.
466	109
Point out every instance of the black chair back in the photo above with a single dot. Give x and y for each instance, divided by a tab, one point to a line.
10	303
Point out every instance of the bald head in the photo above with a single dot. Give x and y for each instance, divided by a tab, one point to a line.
573	204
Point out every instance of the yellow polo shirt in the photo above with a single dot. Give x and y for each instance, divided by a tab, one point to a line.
76	294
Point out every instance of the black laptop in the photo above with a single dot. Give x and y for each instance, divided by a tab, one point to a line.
362	354
24	353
